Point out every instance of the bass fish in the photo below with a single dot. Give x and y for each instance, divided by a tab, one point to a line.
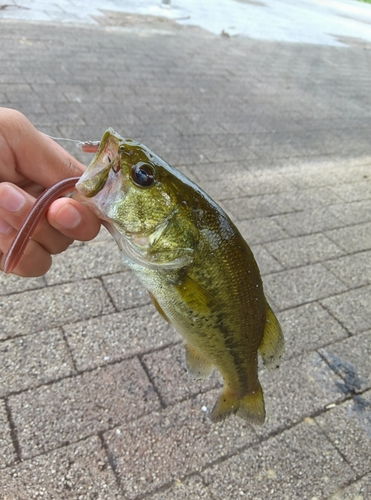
200	273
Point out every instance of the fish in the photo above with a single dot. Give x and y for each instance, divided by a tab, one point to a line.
200	273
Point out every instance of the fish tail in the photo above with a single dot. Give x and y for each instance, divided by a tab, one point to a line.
250	407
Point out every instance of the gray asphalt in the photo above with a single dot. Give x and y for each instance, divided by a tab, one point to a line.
95	401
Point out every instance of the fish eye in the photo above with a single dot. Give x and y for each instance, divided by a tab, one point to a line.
142	174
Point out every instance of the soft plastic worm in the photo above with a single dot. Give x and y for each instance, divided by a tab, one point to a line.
35	215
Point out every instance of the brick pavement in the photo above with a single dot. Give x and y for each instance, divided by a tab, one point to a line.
95	402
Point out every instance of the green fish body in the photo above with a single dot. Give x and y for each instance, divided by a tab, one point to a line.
200	273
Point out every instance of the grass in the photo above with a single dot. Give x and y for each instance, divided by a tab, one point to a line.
366	1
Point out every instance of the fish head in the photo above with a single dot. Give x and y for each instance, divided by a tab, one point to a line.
137	196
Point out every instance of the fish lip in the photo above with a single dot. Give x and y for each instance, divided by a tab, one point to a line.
106	158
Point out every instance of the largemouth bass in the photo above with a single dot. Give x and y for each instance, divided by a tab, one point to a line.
200	273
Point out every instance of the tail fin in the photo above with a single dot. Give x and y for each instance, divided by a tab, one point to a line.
249	407
272	345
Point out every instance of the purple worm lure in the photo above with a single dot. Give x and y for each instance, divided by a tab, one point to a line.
42	204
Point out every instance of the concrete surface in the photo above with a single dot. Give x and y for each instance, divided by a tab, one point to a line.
324	22
95	401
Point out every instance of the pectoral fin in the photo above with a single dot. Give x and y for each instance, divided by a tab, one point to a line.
198	366
196	297
272	346
158	307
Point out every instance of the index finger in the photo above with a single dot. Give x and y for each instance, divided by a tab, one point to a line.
33	154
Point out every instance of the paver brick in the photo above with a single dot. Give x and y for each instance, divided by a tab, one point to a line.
299	463
32	360
355	212
185	157
309	199
260	230
353	238
191	487
74	472
350	358
10	283
267	264
6	444
125	290
268	151
304	284
308	222
352	309
48	92
353	192
34	310
358	171
358	490
85	261
303	385
303	250
259	206
100	341
308	327
152	451
317	171
354	270
348	427
216	171
221	189
237	153
169	374
74	408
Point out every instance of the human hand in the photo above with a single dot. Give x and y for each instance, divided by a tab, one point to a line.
30	162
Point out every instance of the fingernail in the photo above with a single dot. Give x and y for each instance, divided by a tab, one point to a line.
11	199
4	227
68	217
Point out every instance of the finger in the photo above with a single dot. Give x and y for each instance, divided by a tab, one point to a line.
36	261
15	205
36	156
74	220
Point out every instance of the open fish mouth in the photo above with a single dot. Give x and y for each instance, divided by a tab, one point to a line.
101	185
107	193
107	158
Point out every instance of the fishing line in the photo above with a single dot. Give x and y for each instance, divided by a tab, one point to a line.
85	146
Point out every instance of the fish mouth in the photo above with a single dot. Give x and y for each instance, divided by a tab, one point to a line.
101	186
107	195
107	158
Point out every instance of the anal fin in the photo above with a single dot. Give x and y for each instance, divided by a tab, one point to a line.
197	366
272	345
